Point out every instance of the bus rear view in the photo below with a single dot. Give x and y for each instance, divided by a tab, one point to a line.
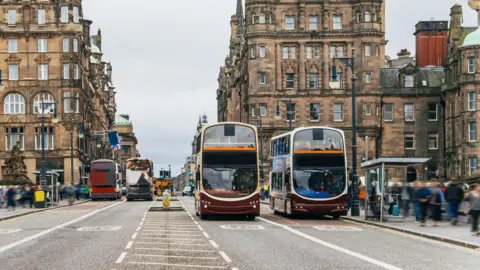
139	179
104	180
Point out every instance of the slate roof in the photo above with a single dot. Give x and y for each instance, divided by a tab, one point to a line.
389	77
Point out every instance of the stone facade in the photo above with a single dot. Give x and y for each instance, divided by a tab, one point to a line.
460	93
125	129
48	57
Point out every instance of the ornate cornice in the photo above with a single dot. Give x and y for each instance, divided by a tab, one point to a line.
13	59
43	59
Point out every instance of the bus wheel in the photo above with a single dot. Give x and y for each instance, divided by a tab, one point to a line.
203	217
335	216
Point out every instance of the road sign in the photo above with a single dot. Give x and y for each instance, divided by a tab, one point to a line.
241	227
7	231
99	228
338	228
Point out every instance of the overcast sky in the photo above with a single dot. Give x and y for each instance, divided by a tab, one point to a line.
166	57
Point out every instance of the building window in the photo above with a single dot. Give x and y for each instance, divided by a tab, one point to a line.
263	109
291	113
472	101
408	80
368	109
368	77
76	15
377	50
473	164
313	80
66	45
76	102
472	66
43	72
314	111
388	112
64	14
432	111
409	111
293	52
75	45
333	51
252	109
285	53
359	17
340	51
13	72
277	110
433	141
289	22
262	51
368	16
337	112
253	52
76	72
472	131
48	138
41	16
290	81
14	135
14	104
263	78
309	52
12	45
316	51
409	141
42	45
337	22
66	71
43	103
368	50
261	19
12	16
313	23
66	102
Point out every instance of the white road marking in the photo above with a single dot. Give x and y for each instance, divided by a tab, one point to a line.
129	245
200	227
235	268
163	244
225	257
122	256
206	235
178	249
195	222
241	227
35	236
134	235
176	256
6	231
338	228
192	218
138	228
161	231
334	247
213	244
141	223
163	239
179	265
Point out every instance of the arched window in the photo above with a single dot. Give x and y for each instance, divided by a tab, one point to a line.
368	16
43	103
14	104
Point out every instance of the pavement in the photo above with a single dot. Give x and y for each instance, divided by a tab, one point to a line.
20	211
126	235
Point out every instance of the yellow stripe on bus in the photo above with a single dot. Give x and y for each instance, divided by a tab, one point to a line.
318	152
229	149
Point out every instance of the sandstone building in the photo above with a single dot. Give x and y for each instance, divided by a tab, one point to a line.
53	67
283	51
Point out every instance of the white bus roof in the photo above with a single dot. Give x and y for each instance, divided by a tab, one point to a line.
138	158
228	123
306	128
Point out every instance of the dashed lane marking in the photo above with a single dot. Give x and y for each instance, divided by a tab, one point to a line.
134	235
175	256
338	228
7	231
178	249
122	256
200	227
241	227
138	228
177	244
206	235
225	257
334	247
180	265
213	244
129	245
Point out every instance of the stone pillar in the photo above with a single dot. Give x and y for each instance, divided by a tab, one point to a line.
325	73
301	67
348	73
278	66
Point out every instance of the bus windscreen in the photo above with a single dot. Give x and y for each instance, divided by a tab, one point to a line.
229	136
318	139
102	174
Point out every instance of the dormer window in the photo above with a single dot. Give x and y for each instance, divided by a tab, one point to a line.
409	80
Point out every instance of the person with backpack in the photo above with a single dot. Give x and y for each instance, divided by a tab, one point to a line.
454	195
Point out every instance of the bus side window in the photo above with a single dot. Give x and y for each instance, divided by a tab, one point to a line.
287	181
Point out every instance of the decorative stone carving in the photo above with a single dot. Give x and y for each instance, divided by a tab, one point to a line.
13	59
16	170
43	59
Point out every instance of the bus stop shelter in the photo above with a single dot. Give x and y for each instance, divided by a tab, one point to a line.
376	181
52	181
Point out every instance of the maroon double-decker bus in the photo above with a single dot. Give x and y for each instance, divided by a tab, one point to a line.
227	178
309	172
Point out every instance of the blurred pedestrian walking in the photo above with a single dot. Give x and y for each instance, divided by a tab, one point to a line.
11	196
436	202
474	207
454	197
424	194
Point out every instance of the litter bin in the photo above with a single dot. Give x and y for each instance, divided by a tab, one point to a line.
40	199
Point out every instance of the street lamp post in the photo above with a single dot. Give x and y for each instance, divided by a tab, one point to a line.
350	63
262	173
43	167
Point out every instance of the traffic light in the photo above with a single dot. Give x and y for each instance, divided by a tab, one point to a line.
162	176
